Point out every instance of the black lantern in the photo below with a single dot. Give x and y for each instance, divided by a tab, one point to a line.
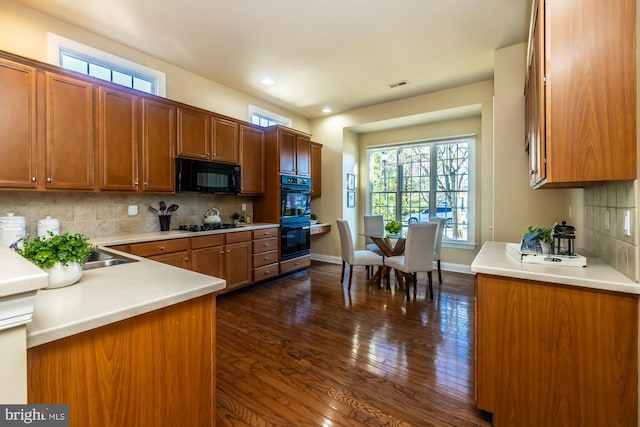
563	239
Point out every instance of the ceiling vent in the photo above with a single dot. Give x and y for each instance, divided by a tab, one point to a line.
398	84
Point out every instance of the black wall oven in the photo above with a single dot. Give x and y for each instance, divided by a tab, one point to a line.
295	216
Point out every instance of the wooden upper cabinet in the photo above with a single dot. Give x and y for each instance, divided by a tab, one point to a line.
158	146
118	140
194	133
252	160
587	51
205	136
534	105
287	146
316	169
294	151
18	162
69	133
224	140
303	151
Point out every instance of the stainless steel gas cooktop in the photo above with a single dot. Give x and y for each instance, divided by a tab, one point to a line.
205	227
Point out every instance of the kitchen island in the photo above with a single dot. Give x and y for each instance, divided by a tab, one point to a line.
554	345
130	344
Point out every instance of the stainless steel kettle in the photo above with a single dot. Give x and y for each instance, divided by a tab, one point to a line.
212	216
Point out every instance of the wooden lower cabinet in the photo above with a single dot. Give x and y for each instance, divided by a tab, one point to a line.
173	252
155	369
295	264
265	254
237	261
555	355
227	256
207	254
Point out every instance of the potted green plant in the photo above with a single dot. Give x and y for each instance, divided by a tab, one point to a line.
62	256
313	218
540	234
235	217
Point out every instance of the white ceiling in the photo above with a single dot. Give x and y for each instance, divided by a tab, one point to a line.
337	53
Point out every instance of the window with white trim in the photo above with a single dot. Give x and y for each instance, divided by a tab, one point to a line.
265	118
80	58
410	183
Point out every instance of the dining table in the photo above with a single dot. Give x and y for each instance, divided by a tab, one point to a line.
390	245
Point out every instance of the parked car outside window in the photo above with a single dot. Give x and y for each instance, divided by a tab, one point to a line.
443	210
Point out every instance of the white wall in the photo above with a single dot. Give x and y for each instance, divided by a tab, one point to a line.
334	133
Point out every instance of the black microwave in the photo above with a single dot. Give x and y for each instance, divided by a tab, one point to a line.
200	176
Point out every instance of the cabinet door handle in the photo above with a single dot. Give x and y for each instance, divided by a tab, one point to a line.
135	182
228	251
49	180
146	184
33	179
221	252
162	248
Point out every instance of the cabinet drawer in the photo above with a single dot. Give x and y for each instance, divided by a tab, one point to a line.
123	248
265	233
295	264
207	241
242	236
159	247
265	272
265	258
265	245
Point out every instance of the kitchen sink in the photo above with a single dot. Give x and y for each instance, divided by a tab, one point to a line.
99	258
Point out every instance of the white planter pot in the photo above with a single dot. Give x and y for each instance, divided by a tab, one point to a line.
60	275
546	247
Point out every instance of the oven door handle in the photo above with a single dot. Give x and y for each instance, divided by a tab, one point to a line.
306	227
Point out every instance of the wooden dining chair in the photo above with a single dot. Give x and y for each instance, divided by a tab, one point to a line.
437	247
352	257
417	257
373	225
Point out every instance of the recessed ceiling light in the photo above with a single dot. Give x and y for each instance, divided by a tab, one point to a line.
267	81
326	110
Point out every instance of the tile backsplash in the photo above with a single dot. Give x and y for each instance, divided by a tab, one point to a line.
610	244
103	214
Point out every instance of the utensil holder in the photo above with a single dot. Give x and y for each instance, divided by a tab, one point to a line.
165	221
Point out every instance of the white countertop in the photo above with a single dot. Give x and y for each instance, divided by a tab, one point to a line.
17	275
109	294
494	259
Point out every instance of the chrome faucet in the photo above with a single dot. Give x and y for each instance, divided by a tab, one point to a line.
15	244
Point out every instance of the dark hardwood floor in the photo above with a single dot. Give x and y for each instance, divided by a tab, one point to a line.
302	351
